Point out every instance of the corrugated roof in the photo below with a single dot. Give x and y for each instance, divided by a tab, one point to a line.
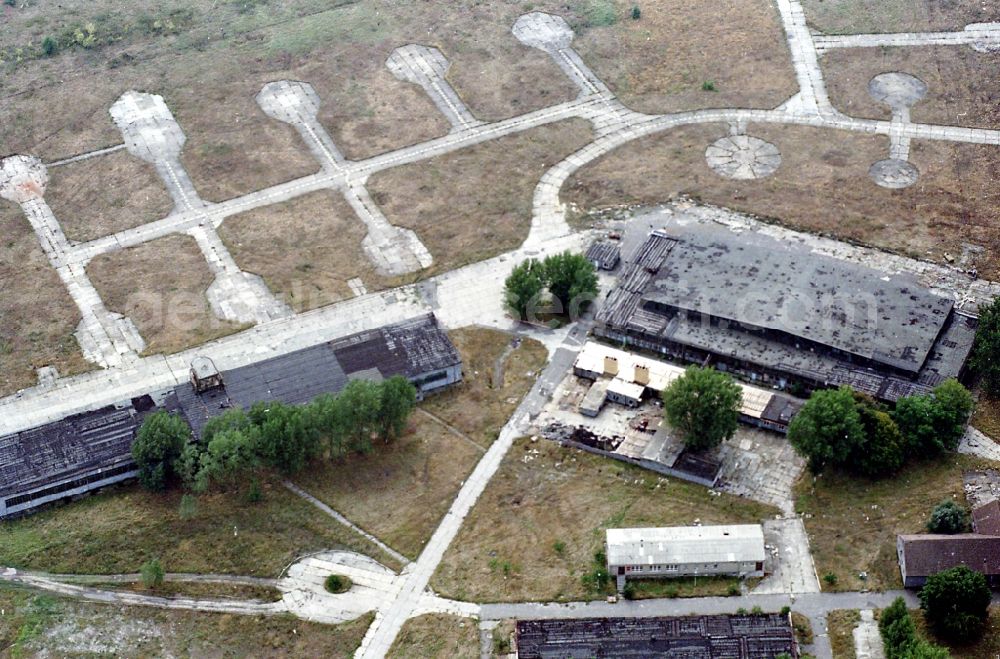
928	554
678	545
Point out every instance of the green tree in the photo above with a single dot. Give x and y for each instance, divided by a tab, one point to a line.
49	46
703	406
956	603
915	417
286	440
890	614
232	419
228	459
326	414
360	402
152	573
523	288
948	517
985	359
157	445
828	428
881	452
398	398
952	407
572	280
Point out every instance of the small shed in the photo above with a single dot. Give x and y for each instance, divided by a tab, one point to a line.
204	374
604	255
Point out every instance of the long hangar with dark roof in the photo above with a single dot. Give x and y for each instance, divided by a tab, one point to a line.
778	313
90	450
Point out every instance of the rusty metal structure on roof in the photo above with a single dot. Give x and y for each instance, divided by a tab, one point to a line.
691	637
779	314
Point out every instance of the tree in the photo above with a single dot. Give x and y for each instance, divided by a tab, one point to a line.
572	280
956	603
890	614
915	417
233	419
523	288
229	458
157	445
881	452
948	517
398	398
952	406
286	440
985	359
152	573
703	405
326	414
360	402
828	428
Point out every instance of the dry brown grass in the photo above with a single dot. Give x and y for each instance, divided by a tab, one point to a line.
480	406
659	63
100	196
400	492
868	16
37	315
962	85
853	523
822	186
43	625
409	484
460	205
306	249
840	626
986	417
543	495
436	635
161	286
116	532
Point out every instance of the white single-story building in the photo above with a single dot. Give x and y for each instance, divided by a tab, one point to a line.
685	551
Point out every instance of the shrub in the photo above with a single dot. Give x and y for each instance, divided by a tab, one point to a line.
337	584
830	578
152	573
708	86
948	518
49	46
629	591
956	603
636	12
733	590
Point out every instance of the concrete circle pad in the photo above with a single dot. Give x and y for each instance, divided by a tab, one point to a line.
897	89
894	174
22	178
742	157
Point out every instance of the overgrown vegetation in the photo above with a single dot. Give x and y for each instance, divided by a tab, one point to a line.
844	429
985	358
956	603
948	517
899	635
238	444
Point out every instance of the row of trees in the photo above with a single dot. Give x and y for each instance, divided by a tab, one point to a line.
842	428
237	444
985	358
570	278
899	635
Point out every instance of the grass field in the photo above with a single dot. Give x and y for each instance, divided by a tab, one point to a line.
435	635
306	249
116	532
853	523
867	16
98	197
409	484
961	83
822	186
458	205
165	296
986	417
840	627
43	625
534	532
37	315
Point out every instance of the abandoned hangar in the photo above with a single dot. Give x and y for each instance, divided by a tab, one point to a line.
89	450
777	313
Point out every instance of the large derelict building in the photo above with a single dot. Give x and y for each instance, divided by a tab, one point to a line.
780	314
86	451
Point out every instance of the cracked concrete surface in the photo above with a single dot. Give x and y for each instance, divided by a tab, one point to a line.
743	157
982	37
427	67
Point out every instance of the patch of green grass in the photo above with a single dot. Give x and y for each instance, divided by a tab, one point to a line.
360	23
688	587
599	13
